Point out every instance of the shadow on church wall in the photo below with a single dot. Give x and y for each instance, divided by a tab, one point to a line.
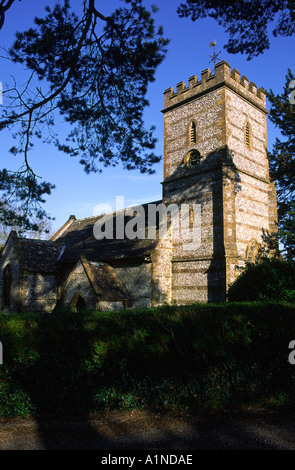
205	184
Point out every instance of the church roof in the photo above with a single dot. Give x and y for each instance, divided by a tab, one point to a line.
78	239
104	281
38	255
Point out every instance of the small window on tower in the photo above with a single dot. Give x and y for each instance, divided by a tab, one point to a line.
191	217
193	133
248	136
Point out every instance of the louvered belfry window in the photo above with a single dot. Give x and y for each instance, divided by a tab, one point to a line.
248	135
193	133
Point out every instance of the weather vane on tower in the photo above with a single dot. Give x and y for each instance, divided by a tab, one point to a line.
214	57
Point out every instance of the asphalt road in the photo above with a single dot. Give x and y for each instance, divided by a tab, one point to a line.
259	430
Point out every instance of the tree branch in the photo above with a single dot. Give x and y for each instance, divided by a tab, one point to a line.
3	9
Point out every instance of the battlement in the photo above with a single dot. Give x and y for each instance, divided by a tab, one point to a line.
222	76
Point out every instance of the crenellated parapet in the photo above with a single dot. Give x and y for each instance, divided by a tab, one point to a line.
222	76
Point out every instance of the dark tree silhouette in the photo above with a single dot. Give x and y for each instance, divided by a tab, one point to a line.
247	22
282	162
93	70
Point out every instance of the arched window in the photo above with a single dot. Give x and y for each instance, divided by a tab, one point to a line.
191	216
6	286
80	304
193	133
248	135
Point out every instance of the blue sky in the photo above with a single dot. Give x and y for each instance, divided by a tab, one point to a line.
83	195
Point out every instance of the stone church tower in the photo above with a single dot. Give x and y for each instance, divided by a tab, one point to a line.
215	156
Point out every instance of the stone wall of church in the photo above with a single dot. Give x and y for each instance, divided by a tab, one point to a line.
134	277
162	270
251	158
136	280
38	292
198	251
252	198
77	284
252	205
110	306
10	257
148	283
206	113
198	280
203	193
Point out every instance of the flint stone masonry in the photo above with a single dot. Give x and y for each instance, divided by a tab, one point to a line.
230	203
39	292
176	130
11	259
231	182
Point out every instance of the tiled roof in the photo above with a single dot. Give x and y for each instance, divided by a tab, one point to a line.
78	239
104	281
39	255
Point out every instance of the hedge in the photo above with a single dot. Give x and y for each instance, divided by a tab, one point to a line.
198	357
271	279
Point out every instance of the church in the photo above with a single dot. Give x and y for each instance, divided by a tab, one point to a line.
215	172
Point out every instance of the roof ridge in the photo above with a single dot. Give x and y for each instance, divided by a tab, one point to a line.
36	240
118	210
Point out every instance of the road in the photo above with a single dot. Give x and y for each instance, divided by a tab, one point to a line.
138	430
